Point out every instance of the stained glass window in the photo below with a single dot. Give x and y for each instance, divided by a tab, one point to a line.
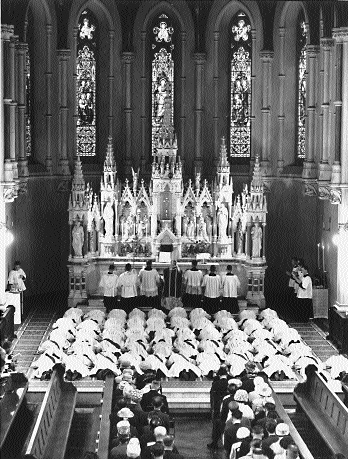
301	86
86	65
241	49
162	80
28	108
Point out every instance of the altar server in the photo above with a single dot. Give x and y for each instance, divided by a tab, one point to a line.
212	290
304	295
149	280
127	287
17	277
230	287
108	284
193	285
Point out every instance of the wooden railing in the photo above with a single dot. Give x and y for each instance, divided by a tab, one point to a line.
326	412
104	430
51	430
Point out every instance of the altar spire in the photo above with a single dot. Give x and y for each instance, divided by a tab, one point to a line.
78	189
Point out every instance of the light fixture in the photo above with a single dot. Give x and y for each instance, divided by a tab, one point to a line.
8	235
335	239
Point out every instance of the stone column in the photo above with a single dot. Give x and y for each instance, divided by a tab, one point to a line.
199	63
143	103
63	56
253	102
247	240
128	58
22	49
324	167
182	96
48	116
75	103
281	114
216	99
264	241
309	166
111	79
266	60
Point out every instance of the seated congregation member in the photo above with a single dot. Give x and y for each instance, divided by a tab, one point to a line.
218	391
157	451
233	386
193	286
242	434
147	400
271	435
108	284
170	451
127	287
157	403
124	414
148	437
230	286
212	291
123	436
149	280
232	425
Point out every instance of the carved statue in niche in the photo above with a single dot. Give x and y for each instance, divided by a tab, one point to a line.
191	228
240	237
124	228
78	238
161	93
256	236
130	226
108	216
93	237
184	225
222	221
202	229
209	225
140	228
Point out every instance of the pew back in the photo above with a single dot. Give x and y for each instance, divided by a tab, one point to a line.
327	413
57	407
104	431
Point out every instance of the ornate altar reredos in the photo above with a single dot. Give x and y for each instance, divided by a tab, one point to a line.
133	221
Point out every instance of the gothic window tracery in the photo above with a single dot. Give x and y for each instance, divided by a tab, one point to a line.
86	65
241	54
28	108
301	86
162	79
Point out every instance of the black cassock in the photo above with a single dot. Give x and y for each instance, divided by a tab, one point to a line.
172	282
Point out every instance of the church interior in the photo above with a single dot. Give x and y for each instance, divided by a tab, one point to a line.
174	131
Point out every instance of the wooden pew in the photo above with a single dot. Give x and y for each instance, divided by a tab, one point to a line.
303	449
325	410
51	431
15	416
7	325
104	430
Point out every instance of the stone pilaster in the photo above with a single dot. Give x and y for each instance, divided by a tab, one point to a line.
22	49
309	166
281	114
128	59
324	167
63	57
182	94
143	102
216	99
266	61
199	59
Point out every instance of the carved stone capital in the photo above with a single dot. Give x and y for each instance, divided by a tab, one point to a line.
310	188
6	31
335	195
64	54
199	58
22	47
128	57
23	186
266	56
313	51
340	35
10	191
323	192
282	31
327	43
216	36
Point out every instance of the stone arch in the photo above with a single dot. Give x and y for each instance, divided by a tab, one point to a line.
218	73
109	74
184	71
285	29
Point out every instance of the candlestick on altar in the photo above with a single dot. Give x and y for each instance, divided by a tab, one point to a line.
323	250
318	252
